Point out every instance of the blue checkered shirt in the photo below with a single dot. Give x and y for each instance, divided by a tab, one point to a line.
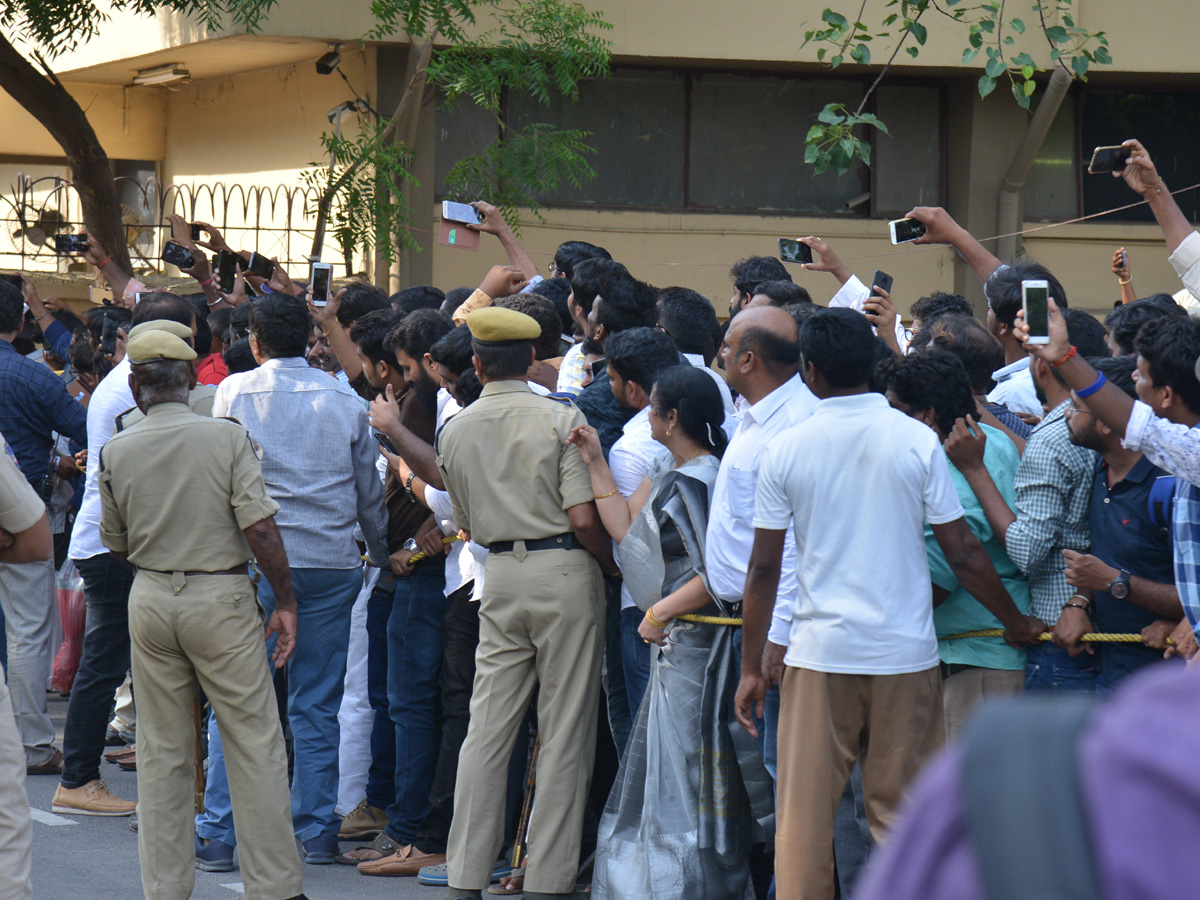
34	404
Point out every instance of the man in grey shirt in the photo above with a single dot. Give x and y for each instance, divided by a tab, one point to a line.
318	461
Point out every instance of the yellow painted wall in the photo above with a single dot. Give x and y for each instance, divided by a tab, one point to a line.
130	124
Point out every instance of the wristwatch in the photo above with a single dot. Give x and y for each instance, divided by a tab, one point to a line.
1119	586
411	545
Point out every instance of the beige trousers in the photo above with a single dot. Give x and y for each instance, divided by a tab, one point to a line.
209	635
967	688
16	831
541	626
891	724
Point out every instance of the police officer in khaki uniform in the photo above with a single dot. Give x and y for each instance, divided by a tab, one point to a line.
522	491
183	500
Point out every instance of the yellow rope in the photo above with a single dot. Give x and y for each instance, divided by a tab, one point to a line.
421	554
1093	636
710	620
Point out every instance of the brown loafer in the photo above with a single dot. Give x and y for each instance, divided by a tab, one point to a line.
124	753
52	766
408	860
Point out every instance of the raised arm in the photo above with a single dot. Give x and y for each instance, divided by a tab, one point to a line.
493	223
942	229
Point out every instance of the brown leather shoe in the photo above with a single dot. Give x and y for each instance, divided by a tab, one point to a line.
52	766
93	799
116	756
362	823
408	860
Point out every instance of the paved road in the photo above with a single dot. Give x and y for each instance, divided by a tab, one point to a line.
78	857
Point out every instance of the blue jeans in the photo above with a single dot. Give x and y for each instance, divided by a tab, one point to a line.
620	723
316	673
381	776
635	659
1049	667
768	734
415	639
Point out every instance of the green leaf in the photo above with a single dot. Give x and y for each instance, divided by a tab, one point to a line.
1027	72
1080	65
837	20
1009	39
987	84
912	51
969	55
1030	87
1057	34
815	134
864	153
975	40
869	119
1018	26
995	68
890	20
861	54
918	31
987	25
811	152
1023	59
835	61
1020	96
831	114
1102	57
821	54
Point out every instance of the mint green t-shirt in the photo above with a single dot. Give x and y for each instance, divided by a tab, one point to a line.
961	612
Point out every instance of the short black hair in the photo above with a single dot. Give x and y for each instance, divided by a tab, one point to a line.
239	358
417	332
1124	322
239	321
202	343
1117	370
749	273
454	299
778	355
976	348
163	305
281	325
639	354
468	388
802	312
1003	288
82	357
689	318
695	398
557	291
453	350
628	303
360	298
935	380
503	361
589	278
840	344
218	323
939	303
571	253
419	296
783	293
1085	333
542	311
12	307
1171	346
370	333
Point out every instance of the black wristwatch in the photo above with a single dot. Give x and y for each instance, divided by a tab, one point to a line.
408	486
1119	586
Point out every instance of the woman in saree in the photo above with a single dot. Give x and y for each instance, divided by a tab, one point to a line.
692	794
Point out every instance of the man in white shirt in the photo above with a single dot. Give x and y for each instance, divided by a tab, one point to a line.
635	357
858	481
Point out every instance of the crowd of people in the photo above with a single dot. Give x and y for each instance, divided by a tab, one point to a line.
561	586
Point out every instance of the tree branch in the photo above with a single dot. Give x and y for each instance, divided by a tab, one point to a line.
887	65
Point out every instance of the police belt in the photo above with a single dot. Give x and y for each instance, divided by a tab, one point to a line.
232	570
566	541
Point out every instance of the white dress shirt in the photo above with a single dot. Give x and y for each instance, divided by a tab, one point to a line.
851	296
318	460
858	481
630	459
111	398
460	567
1014	388
730	534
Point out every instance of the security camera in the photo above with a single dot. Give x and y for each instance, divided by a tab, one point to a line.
330	61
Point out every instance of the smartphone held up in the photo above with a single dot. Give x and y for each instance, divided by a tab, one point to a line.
1109	159
795	251
320	279
1035	301
905	230
70	243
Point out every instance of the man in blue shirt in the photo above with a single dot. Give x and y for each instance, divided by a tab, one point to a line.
34	404
1129	572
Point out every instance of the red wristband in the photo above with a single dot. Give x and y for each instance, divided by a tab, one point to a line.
207	281
105	263
1070	353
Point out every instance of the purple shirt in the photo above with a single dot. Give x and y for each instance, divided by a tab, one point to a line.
1141	789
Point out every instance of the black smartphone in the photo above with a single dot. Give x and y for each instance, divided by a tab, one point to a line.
386	442
15	280
794	251
261	266
70	243
108	336
247	290
1109	159
226	265
197	231
881	280
177	255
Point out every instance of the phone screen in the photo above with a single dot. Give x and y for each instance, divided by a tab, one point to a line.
794	251
108	336
460	212
904	230
261	266
1109	159
1037	313
227	262
320	283
177	255
70	243
197	231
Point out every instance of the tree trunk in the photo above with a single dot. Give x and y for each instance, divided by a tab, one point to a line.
45	98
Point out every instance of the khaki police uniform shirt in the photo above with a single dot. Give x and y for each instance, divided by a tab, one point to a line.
508	468
200	401
20	506
177	489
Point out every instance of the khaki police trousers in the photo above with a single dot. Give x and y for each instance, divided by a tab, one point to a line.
207	635
541	626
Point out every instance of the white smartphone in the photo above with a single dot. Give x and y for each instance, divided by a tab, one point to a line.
905	230
1035	297
460	212
320	278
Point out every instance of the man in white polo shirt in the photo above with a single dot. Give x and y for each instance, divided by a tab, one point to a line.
858	480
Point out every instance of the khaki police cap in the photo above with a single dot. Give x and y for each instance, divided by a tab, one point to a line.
153	345
496	325
165	325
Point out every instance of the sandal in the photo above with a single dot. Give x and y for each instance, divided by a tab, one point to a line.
515	884
381	846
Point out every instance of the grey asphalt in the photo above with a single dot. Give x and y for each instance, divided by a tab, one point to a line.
88	858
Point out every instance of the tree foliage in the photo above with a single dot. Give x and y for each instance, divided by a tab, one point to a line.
987	27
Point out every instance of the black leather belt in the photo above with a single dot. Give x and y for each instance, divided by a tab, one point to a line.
566	541
234	570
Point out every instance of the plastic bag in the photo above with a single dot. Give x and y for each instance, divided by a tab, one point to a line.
72	609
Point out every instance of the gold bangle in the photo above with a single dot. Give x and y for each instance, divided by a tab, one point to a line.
609	494
654	621
1128	280
329	332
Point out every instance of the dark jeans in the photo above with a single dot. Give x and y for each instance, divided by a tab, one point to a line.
619	720
461	628
1049	667
415	641
381	776
102	666
635	659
